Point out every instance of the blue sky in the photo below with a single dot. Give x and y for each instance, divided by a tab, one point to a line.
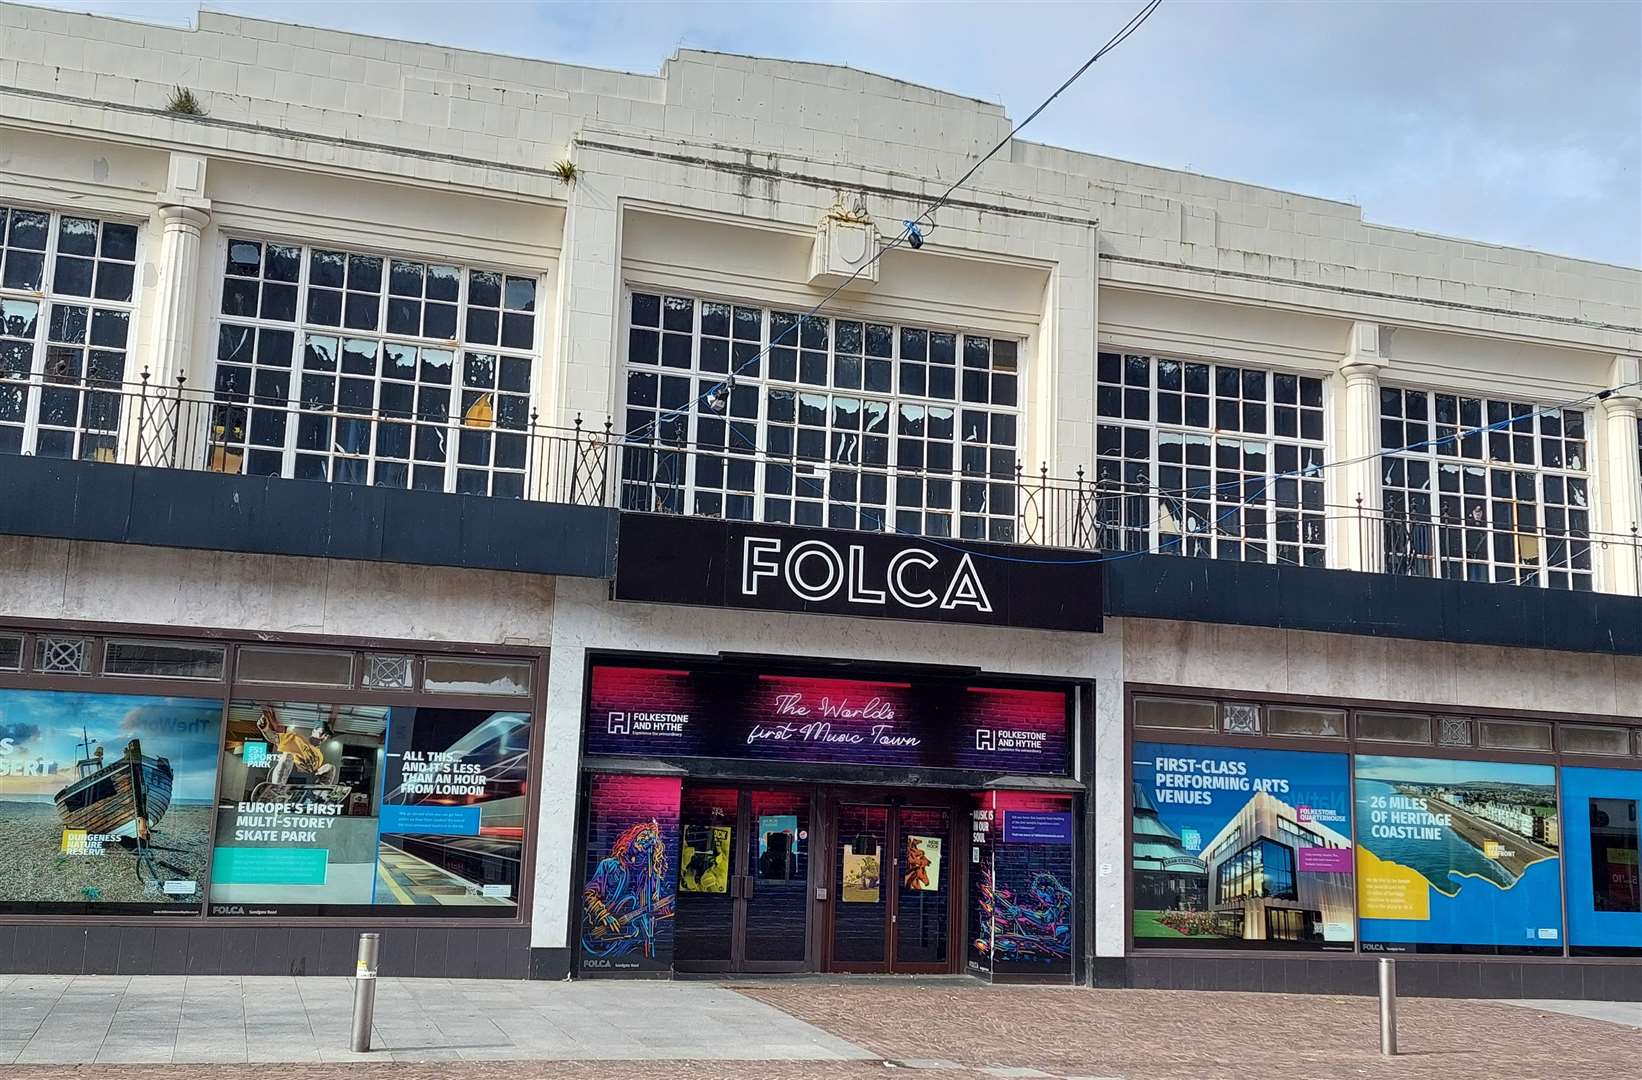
46	725
1437	771
1513	123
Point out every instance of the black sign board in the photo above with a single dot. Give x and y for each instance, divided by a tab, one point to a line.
665	559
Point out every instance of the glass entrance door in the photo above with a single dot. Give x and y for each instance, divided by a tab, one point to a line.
893	884
743	880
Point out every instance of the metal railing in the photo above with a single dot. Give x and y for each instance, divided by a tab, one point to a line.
481	451
1512	548
176	426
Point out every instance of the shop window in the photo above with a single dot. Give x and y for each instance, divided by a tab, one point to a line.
1394	727
1615	854
347	809
1593	739
66	303
844	423
450	675
1210	460
1507	504
1315	723
163	659
62	655
299	667
1174	713
1515	734
105	801
387	671
11	652
392	372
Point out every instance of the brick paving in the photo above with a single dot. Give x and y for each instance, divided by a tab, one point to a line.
972	1032
1187	1035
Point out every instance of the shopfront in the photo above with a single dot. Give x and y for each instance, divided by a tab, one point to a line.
1502	844
844	803
759	816
223	803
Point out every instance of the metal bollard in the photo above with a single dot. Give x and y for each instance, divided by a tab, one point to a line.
364	992
1388	1006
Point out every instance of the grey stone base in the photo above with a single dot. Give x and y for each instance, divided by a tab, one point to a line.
479	952
1578	979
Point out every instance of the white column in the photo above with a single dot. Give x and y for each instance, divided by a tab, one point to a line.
183	213
1354	486
1622	477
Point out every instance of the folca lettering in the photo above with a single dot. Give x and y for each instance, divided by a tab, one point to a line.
815	570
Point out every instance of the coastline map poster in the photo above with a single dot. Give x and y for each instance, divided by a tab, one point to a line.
1457	856
105	802
1241	848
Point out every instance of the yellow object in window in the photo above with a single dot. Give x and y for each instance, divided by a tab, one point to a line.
481	414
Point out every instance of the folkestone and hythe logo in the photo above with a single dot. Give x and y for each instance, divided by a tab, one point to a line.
671	725
1021	742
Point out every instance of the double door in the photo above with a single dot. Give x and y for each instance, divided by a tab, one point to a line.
743	880
894	874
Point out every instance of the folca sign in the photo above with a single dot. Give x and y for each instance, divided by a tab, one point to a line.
684	560
818	570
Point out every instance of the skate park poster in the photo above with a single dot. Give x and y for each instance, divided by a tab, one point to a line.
338	809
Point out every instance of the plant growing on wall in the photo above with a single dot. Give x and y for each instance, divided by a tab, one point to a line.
565	169
184	103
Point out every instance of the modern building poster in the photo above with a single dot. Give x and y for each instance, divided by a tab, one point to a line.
1241	848
1604	845
630	891
105	802
344	809
1457	856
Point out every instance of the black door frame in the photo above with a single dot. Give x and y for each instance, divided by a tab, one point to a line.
956	869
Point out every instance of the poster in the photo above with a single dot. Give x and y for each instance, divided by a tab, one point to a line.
630	891
861	876
1020	892
1241	848
343	809
1603	832
1601	812
777	846
1457	856
705	866
105	802
741	714
922	869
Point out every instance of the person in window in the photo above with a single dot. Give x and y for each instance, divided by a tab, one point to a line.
294	748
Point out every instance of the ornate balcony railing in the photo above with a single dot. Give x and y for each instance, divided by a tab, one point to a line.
481	451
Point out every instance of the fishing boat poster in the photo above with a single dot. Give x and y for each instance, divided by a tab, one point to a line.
1458	856
105	801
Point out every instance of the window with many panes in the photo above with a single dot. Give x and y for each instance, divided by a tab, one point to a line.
363	368
1485	490
66	288
742	412
1210	460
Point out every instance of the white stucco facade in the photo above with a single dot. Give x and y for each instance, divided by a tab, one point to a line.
709	179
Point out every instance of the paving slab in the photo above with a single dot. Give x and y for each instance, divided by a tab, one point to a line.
229	1020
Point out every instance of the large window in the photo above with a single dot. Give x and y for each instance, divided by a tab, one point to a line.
1510	504
65	324
844	423
1262	871
368	369
1209	460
